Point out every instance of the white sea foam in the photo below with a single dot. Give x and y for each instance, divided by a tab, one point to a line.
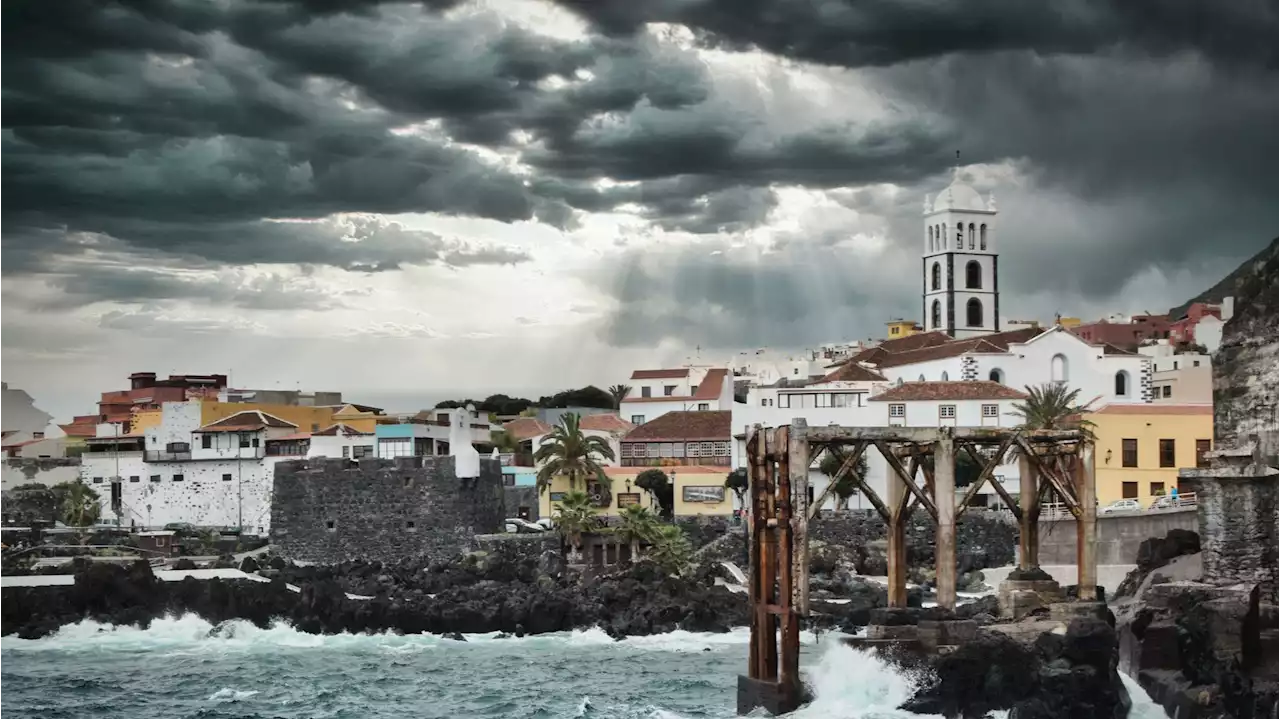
227	694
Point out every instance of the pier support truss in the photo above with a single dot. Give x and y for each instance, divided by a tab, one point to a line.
1053	465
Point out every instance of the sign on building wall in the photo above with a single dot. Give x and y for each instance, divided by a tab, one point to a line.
558	496
628	499
708	494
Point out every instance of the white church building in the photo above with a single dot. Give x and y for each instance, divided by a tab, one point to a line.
962	343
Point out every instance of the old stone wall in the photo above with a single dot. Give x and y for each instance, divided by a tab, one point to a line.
333	510
522	497
1238	530
983	538
1246	379
1118	535
47	471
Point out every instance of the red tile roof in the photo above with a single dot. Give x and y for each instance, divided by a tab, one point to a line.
925	391
291	437
246	421
902	344
605	423
660	373
684	426
526	428
334	430
853	372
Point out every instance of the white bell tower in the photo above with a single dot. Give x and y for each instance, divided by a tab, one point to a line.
960	263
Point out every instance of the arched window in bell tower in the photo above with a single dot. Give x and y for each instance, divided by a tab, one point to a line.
982	237
936	278
973	275
959	235
936	315
972	232
931	239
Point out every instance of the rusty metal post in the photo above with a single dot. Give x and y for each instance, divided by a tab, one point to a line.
944	488
897	498
784	605
1086	524
1029	523
798	466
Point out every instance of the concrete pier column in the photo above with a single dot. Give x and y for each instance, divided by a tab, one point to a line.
1086	524
944	496
896	497
1028	526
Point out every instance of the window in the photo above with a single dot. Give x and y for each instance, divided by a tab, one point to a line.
996	375
893	330
178	478
97	480
668	390
990	410
931	239
1129	490
972	235
959	235
346	452
921	378
395	447
364	450
935	282
408	482
255	441
206	441
315	426
897	410
704	406
410	526
176	447
1168	455
637	419
764	403
796	370
244	440
1175	364
1058	368
330	525
226	477
1157	489
1202	446
936	315
646	391
693	389
135	478
1128	453
1122	384
973	312
982	237
947	411
155	478
1166	391
946	377
1195	363
973	275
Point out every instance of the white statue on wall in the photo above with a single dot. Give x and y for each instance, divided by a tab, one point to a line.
466	458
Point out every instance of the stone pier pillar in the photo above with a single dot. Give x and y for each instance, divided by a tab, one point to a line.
944	496
1237	525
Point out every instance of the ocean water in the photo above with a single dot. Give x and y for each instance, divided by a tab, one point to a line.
185	667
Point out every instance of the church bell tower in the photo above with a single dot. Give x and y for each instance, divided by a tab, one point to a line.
960	263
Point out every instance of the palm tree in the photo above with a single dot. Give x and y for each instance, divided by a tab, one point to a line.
619	392
658	485
831	463
575	515
80	506
671	549
637	524
566	450
1053	406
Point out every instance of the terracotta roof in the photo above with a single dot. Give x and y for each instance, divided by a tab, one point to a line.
708	389
113	437
902	344
246	421
359	408
291	437
1110	349
660	373
853	372
684	426
973	389
1156	409
334	430
605	423
526	428
7	432
77	429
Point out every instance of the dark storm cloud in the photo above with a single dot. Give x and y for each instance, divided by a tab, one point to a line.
887	32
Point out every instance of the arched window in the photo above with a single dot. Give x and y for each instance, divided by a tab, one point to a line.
996	376
973	275
899	381
973	312
930	238
936	314
959	235
921	378
982	237
937	276
1122	384
1058	369
945	376
972	232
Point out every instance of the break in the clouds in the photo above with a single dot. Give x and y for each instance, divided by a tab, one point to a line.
439	179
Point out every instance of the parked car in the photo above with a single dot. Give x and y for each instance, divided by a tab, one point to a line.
1123	505
1163	502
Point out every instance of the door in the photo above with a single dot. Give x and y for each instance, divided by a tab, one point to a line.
115	498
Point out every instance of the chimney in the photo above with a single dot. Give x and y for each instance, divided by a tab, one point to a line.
142	380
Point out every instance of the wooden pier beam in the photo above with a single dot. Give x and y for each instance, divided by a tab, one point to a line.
897	500
1086	524
1029	522
944	487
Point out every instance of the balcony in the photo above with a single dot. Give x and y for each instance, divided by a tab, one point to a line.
160	456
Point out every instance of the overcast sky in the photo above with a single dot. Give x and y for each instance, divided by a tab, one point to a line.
406	202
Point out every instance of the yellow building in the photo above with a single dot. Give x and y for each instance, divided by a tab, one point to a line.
897	329
308	419
698	490
1069	322
1141	447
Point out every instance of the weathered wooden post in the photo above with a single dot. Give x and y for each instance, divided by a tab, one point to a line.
944	487
896	551
1029	523
1086	523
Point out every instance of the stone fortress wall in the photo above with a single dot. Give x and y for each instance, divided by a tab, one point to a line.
333	510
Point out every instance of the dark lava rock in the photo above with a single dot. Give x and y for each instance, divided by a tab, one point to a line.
1034	574
1155	553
